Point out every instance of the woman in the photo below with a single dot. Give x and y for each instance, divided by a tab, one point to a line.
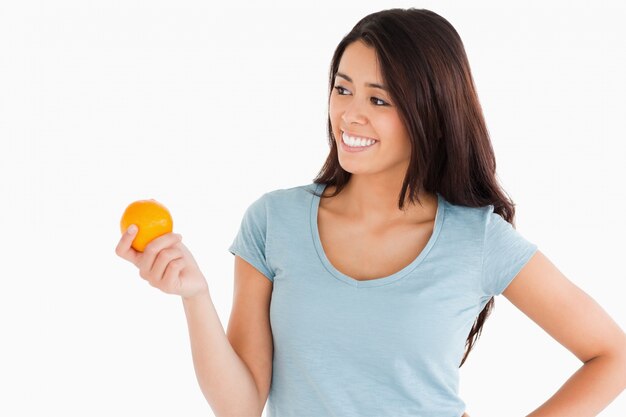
356	295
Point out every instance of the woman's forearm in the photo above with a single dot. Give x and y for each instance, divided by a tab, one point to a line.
589	390
224	378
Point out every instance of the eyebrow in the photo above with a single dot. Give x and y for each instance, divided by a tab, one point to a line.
382	87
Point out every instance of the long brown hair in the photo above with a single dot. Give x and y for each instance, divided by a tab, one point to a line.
425	67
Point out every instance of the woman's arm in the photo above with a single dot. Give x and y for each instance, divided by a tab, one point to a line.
578	323
224	378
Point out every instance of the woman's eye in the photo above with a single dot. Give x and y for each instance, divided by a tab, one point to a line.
375	100
382	102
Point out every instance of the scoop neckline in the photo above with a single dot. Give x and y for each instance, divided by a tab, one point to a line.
313	212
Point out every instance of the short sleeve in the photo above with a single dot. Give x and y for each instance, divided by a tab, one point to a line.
249	243
505	252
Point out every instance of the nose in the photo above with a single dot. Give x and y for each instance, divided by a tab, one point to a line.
353	113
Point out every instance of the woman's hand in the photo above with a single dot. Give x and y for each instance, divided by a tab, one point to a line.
165	263
465	415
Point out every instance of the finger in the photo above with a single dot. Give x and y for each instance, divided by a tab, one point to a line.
185	251
171	278
124	249
151	251
162	260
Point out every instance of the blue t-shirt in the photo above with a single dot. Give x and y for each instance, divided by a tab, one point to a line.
384	347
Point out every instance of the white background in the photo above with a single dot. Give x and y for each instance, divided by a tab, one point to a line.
204	108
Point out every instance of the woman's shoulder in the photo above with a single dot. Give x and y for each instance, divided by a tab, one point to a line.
283	198
466	211
466	218
291	192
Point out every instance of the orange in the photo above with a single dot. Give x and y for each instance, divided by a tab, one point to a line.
151	217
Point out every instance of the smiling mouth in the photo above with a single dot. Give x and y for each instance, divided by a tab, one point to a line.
356	141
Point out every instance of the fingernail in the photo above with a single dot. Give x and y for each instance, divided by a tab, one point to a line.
132	229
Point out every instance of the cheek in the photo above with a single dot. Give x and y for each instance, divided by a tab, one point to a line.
333	109
334	113
391	127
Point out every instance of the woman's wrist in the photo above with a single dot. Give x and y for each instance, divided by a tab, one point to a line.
196	296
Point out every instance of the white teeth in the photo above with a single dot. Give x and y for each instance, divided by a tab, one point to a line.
355	141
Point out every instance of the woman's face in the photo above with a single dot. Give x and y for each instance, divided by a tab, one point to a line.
361	106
